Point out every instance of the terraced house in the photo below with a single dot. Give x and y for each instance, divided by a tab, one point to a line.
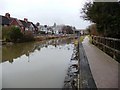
24	25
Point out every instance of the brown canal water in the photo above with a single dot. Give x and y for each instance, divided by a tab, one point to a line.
36	64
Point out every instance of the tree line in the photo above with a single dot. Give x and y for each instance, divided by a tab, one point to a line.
105	16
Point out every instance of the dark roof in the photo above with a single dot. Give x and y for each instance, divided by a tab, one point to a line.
5	20
11	19
19	22
25	24
34	25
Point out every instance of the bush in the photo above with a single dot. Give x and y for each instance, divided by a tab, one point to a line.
14	34
5	33
28	36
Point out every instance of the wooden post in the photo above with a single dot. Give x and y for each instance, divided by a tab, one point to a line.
114	56
104	44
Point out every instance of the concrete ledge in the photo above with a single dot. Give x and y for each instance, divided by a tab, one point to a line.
86	78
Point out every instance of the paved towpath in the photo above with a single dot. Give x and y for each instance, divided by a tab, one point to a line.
104	69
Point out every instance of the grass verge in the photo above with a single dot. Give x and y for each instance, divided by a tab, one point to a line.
81	39
90	38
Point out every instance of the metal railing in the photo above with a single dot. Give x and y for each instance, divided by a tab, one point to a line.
111	46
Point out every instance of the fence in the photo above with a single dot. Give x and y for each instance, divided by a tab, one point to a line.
111	46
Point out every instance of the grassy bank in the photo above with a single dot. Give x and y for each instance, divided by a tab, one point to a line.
47	37
81	39
90	38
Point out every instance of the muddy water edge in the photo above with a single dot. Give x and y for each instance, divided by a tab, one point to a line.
72	77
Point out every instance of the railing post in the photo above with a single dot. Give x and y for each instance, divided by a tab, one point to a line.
104	44
114	56
79	85
109	45
92	39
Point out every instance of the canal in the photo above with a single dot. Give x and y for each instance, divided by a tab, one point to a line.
36	64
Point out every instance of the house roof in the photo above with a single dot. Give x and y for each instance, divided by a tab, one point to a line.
11	20
25	24
5	20
34	25
19	22
8	21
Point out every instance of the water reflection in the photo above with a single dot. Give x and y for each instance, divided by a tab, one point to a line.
0	54
11	52
36	64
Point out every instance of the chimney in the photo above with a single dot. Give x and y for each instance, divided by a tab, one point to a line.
26	20
7	15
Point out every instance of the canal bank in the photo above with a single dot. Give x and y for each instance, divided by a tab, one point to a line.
48	37
40	38
72	76
79	74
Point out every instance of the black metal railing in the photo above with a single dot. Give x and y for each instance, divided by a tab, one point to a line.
111	46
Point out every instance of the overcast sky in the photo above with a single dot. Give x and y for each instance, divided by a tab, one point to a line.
46	11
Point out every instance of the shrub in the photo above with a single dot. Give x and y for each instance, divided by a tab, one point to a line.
28	36
5	33
15	34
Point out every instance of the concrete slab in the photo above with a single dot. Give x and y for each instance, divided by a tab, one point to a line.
86	78
104	69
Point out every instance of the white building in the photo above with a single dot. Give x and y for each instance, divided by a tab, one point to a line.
57	29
